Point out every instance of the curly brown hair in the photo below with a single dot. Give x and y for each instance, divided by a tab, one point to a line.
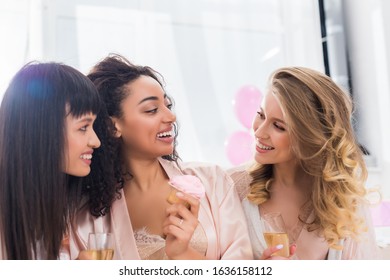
111	76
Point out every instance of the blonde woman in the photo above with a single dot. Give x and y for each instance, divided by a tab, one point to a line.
309	167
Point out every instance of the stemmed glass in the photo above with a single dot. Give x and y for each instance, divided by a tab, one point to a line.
101	246
275	233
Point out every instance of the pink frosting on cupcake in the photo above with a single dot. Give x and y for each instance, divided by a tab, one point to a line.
188	184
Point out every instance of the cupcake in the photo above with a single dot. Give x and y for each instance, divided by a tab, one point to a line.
188	184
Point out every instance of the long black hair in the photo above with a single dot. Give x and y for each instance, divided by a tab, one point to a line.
36	197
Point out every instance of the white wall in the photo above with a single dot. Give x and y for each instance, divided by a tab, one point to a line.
368	39
14	17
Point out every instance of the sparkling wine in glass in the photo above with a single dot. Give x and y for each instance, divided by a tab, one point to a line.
275	233
101	246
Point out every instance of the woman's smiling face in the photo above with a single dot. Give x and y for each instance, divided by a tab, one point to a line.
81	139
147	123
273	143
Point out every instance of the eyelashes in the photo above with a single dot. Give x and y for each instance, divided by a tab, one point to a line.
275	124
279	127
155	110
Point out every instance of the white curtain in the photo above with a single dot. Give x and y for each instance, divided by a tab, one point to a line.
207	50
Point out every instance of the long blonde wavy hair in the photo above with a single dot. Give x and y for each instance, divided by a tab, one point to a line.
318	115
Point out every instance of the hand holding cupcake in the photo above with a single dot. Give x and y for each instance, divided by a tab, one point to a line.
188	184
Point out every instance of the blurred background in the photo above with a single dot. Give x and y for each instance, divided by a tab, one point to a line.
216	56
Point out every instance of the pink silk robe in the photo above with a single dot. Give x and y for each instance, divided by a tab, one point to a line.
220	215
309	245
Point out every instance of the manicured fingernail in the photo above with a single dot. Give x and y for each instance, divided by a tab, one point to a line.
179	194
279	246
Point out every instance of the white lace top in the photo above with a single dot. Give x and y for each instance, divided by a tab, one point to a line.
152	247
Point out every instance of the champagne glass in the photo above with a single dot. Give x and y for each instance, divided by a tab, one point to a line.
101	246
275	233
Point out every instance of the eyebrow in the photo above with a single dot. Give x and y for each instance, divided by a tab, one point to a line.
85	119
279	120
151	98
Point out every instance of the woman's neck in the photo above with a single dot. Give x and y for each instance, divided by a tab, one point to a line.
291	181
145	173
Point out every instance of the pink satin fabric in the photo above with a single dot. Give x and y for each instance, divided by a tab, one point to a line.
220	215
310	245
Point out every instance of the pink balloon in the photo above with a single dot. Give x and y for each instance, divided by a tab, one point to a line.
381	214
246	104
239	147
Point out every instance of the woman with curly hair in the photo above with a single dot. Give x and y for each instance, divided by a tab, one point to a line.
145	225
310	168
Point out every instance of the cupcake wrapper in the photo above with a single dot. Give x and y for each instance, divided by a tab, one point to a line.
172	199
